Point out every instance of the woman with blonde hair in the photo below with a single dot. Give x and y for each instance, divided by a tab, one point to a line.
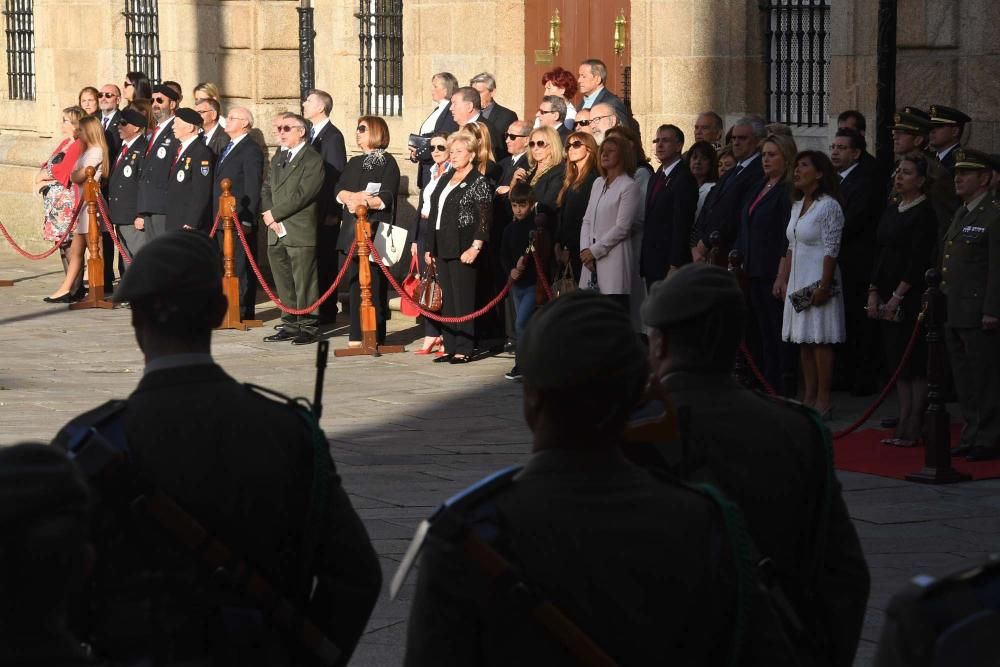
546	169
762	240
581	172
485	160
53	178
94	153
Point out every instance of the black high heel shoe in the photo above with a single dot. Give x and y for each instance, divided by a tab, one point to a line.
443	359
65	298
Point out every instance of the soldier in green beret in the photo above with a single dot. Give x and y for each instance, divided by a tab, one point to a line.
970	266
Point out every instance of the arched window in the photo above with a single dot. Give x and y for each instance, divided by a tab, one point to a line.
20	48
142	38
381	35
798	59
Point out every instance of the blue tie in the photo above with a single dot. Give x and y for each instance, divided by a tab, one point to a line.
312	134
229	147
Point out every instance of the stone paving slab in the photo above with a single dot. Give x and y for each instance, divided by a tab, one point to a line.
406	433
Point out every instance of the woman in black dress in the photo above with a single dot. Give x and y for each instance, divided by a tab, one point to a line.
581	172
906	237
371	179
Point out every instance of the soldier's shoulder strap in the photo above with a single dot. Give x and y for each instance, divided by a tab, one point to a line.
451	517
107	419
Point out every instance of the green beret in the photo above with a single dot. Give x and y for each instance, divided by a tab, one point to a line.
693	291
175	263
966	158
38	480
581	339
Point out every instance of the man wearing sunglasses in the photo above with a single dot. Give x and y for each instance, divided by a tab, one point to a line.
552	113
123	181
108	100
154	179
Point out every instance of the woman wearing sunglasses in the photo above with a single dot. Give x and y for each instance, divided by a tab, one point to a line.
423	239
546	169
137	87
372	179
581	172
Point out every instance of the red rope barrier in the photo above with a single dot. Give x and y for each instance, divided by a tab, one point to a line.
270	293
215	225
24	253
114	235
745	351
892	381
540	274
428	314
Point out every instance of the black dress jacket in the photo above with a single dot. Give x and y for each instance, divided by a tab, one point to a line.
155	173
466	215
762	238
189	193
723	206
546	189
329	143
669	216
123	183
244	166
355	179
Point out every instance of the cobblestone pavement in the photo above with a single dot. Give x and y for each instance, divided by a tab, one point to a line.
406	433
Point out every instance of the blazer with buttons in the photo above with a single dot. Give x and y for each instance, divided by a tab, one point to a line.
189	190
971	265
155	173
466	215
123	183
290	195
243	166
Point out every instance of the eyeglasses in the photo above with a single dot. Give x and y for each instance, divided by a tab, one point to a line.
231	117
538	144
362	128
160	100
515	137
584	122
543	111
108	96
288	128
594	119
575	144
199	100
203	111
438	148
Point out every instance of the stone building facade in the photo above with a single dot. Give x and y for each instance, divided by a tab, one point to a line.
682	57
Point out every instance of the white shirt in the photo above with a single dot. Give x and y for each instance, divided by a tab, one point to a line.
318	127
425	208
746	163
943	153
844	174
237	139
431	121
588	100
444	195
128	144
208	135
187	142
106	118
294	151
666	170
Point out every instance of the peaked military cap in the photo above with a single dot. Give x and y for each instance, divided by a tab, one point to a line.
912	120
178	262
189	115
966	158
167	91
133	117
941	115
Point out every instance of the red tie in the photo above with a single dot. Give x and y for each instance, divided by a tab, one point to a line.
658	184
121	156
152	141
177	157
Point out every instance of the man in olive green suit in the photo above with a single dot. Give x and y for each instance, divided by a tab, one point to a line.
288	200
970	267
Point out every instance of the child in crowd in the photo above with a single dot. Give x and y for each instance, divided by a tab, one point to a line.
516	238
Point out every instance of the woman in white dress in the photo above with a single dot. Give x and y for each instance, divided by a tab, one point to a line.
94	153
605	237
814	232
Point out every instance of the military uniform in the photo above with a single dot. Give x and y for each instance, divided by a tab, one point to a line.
970	267
254	471
123	187
155	173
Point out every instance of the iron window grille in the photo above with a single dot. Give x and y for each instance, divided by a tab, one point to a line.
798	61
142	38
381	37
20	31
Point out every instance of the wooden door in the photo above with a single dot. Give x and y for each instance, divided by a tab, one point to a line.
585	29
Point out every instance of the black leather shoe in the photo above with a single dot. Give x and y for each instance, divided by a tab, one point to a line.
280	336
979	453
305	338
443	359
460	360
65	298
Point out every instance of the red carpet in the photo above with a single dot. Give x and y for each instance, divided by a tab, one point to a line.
861	451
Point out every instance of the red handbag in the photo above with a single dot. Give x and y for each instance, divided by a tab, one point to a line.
411	283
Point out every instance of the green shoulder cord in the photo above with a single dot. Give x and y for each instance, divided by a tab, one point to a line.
737	533
823	524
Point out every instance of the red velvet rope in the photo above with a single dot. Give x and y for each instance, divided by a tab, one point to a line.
114	235
540	274
270	293
745	351
24	253
215	225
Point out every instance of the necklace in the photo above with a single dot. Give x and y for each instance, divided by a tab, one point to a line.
539	174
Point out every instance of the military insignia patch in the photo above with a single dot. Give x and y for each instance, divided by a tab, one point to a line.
204	167
161	152
180	176
127	171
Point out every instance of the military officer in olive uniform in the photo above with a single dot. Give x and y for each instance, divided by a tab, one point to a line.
123	182
252	468
634	561
770	456
970	268
189	192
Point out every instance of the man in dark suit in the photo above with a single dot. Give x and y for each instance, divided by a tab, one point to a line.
242	162
499	116
971	270
328	141
862	197
465	108
123	181
212	132
189	192
947	126
107	101
288	200
592	78
670	206
770	457
551	112
722	208
157	164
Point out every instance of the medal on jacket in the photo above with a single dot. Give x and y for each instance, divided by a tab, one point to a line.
204	167
161	152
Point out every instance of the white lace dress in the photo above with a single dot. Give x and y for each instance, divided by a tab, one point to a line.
811	238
